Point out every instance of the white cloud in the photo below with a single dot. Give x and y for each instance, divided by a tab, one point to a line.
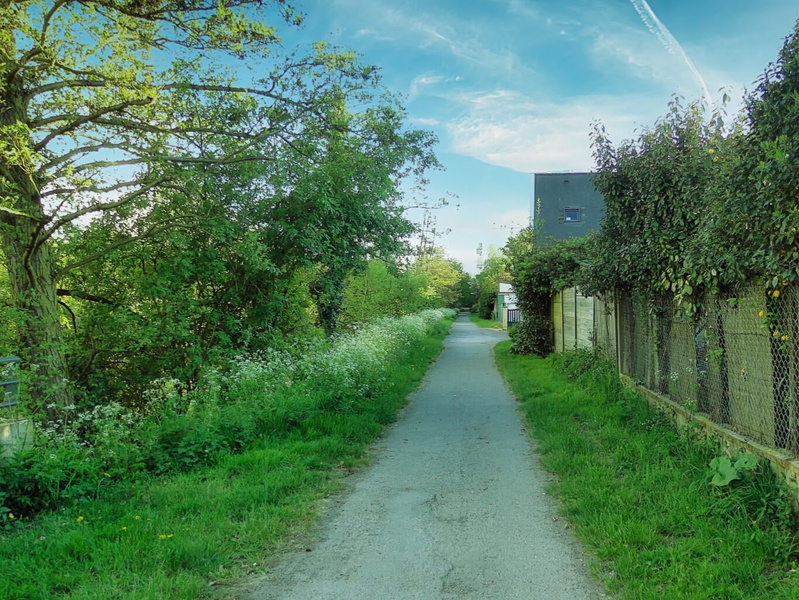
436	32
627	51
524	9
424	121
669	42
420	82
507	129
375	34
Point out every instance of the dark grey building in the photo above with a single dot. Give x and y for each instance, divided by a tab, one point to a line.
566	204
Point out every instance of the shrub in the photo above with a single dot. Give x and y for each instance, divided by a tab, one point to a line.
533	335
267	393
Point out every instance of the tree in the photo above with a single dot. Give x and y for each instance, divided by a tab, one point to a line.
756	217
487	281
443	277
382	289
466	291
121	112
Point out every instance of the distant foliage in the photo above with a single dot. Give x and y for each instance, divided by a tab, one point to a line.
494	272
381	289
444	279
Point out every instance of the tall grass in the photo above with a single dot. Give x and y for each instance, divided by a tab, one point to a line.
282	430
638	492
484	323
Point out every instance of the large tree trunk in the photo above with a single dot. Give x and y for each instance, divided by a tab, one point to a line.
41	340
29	264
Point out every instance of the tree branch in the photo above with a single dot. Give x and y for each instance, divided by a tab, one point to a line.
57	85
48	19
90	188
103	206
201	160
16	213
61	292
163	226
78	151
201	87
91	118
72	316
110	163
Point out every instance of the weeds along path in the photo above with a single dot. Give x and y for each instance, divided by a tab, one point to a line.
453	507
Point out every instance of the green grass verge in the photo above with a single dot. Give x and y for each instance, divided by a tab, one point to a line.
484	323
195	535
638	492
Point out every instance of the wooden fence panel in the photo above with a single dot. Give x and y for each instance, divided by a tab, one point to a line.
584	321
557	320
605	328
569	319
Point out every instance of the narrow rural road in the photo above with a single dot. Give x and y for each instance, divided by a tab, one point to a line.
454	506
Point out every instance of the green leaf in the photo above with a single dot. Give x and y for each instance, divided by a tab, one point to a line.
723	471
746	461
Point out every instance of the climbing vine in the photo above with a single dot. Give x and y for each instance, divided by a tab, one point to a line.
694	206
538	270
656	192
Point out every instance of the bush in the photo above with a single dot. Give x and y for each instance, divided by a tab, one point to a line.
269	393
533	335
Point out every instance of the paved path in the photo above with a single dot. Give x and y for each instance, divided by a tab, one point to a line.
454	506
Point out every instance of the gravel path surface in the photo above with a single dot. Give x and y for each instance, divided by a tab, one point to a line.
453	506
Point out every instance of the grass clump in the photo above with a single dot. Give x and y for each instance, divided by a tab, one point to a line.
280	435
484	323
639	493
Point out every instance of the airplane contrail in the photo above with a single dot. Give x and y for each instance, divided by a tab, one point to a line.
669	42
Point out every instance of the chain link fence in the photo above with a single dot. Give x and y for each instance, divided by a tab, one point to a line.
737	363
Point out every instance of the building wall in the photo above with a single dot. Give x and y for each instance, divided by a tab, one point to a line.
506	298
561	196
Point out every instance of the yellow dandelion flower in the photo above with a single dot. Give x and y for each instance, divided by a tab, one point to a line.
711	151
775	333
762	313
79	519
136	518
784	283
784	338
11	515
776	293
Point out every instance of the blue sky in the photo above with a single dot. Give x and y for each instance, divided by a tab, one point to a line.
511	87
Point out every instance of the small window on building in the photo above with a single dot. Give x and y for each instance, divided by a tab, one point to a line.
571	215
